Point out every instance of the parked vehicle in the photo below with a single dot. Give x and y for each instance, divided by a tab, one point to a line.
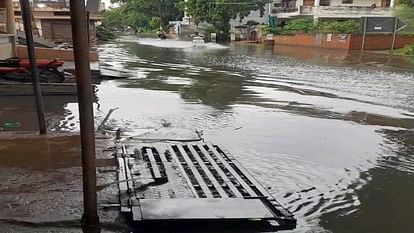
198	41
50	71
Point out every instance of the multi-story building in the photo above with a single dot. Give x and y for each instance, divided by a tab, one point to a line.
7	30
284	10
52	22
246	28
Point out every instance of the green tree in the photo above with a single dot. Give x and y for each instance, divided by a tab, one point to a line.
405	11
219	12
299	25
139	14
407	2
154	23
343	27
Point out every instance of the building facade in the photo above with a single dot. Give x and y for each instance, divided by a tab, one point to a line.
330	9
7	30
247	28
52	21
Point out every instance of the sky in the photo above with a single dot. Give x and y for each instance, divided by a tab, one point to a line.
107	3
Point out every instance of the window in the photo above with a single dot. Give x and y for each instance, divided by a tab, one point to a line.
325	3
347	1
61	13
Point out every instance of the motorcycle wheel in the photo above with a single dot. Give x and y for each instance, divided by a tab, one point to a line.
48	76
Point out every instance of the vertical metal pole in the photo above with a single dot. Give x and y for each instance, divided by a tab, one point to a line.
90	218
394	35
25	10
364	35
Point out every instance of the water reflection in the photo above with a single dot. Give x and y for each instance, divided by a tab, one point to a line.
386	198
21	111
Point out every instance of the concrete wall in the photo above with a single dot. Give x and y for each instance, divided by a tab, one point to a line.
357	3
6	50
350	12
336	9
346	42
61	31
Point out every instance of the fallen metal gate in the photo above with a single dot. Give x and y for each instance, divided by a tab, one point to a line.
192	182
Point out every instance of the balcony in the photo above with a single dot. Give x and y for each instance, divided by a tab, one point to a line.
281	12
61	4
344	11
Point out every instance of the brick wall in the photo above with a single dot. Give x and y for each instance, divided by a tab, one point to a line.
314	40
378	42
346	42
335	41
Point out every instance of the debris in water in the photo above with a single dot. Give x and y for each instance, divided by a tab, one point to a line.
165	123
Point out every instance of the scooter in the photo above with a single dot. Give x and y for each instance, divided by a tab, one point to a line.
50	71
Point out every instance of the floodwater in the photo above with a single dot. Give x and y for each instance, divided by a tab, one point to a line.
331	134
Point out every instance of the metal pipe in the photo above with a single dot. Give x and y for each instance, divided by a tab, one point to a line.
394	35
26	17
364	34
90	218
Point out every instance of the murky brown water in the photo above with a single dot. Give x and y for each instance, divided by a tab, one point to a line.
330	133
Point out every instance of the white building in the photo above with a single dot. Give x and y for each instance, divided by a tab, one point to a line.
245	28
7	30
330	9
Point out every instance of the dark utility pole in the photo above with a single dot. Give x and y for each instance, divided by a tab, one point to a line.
90	218
27	23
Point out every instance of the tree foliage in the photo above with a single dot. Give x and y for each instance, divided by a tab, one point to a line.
299	25
408	50
219	12
341	27
409	3
405	11
142	14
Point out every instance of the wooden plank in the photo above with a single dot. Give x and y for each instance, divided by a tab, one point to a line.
124	151
136	213
184	174
218	187
154	166
128	173
122	185
247	187
121	176
195	172
204	209
233	188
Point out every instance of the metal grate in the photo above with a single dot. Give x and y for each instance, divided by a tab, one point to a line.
170	181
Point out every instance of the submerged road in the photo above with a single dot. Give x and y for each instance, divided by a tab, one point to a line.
329	133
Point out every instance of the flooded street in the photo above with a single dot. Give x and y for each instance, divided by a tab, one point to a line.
330	134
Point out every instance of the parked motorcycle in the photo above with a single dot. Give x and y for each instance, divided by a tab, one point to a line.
50	71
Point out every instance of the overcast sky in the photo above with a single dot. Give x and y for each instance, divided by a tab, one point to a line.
107	3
